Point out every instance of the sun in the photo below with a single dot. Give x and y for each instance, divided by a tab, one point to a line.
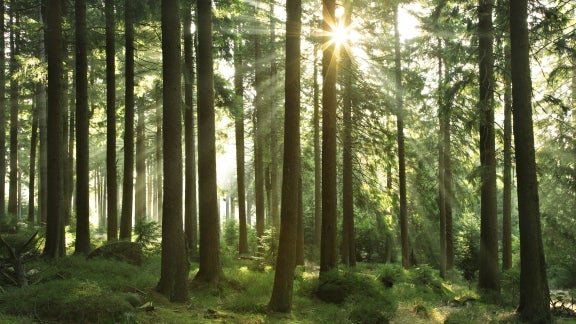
340	35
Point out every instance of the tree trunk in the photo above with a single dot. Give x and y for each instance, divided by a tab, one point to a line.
190	203
140	184
210	268
441	166
2	115
39	104
14	92
507	176
128	185
240	149
488	278
174	268
348	240
281	299
259	131
317	156
534	294
403	219
82	243
274	151
159	159
328	249
111	168
55	149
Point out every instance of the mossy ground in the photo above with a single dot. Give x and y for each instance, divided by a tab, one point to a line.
76	290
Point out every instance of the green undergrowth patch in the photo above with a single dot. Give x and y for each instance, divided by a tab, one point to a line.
73	290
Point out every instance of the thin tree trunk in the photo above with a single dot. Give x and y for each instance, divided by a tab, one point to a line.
14	91
317	156
191	211
2	115
259	127
159	159
348	240
111	168
240	148
403	219
274	151
140	184
128	184
441	166
507	176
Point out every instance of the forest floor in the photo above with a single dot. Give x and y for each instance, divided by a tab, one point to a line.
76	290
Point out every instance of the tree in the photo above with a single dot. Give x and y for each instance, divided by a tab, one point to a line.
128	185
140	183
488	271
55	205
2	113
111	172
82	244
281	299
190	201
403	219
174	267
534	304
348	240
14	98
210	267
317	154
240	148
329	195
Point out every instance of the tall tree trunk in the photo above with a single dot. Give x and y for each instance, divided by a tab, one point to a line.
159	159
174	267
507	176
348	240
43	108
140	184
259	131
317	155
488	278
111	168
328	249
281	299
534	294
39	104
210	268
403	219
82	243
441	166
2	115
14	92
54	221
190	203
128	185
240	149
274	151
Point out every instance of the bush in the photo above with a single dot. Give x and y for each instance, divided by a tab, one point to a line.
391	273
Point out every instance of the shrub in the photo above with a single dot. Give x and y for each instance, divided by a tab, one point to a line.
391	273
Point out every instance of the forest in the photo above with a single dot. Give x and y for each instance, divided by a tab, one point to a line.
265	161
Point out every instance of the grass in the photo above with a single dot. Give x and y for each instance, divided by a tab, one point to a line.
73	290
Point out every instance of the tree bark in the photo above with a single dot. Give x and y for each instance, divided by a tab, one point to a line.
403	219
317	156
128	184
55	149
240	147
2	114
328	248
281	299
14	98
82	243
210	268
190	201
111	168
534	304
174	266
488	278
